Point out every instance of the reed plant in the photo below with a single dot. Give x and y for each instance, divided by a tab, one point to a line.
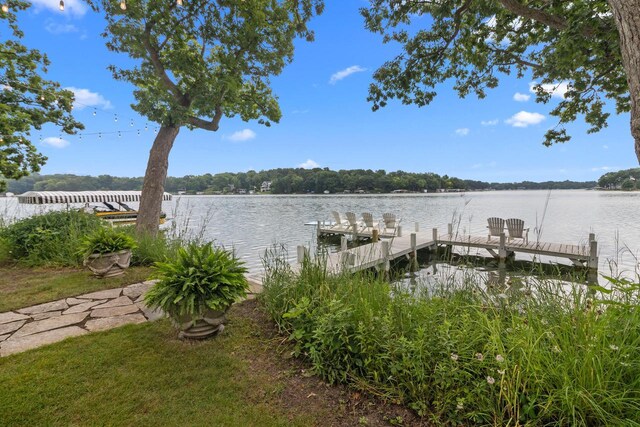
541	353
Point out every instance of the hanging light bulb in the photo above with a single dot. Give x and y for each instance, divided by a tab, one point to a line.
5	8
123	5
61	7
115	118
179	2
131	123
94	111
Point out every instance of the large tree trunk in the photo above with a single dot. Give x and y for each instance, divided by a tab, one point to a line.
154	178
627	17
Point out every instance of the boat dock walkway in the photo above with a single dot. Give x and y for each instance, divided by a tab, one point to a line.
380	253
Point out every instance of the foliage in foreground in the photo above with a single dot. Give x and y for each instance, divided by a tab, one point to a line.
63	238
201	277
539	356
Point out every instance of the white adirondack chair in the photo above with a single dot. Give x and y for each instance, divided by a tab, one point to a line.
496	227
353	222
339	222
516	230
389	222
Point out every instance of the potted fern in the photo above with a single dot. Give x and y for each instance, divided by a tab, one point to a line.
107	252
197	288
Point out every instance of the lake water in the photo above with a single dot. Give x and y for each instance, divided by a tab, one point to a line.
250	224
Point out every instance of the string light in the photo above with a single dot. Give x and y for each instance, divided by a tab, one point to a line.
5	8
61	7
123	5
94	111
115	119
131	123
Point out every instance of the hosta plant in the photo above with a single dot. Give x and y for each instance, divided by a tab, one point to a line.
197	288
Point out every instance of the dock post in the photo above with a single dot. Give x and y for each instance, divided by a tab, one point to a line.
502	250
399	231
434	236
384	246
417	227
593	252
375	234
450	229
414	252
302	253
318	233
343	243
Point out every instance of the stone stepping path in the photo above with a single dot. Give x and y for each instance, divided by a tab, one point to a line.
42	324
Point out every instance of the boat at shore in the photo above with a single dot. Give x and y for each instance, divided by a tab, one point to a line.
112	204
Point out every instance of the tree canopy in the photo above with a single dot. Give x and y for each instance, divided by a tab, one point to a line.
474	42
27	100
197	62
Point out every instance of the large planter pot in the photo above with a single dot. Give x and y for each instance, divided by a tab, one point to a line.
211	323
109	265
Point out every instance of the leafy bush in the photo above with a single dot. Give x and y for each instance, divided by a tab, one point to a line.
53	238
106	240
200	277
463	355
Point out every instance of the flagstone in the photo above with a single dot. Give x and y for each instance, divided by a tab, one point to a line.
10	327
106	294
42	308
48	324
114	311
85	306
104	323
75	301
28	342
137	289
115	303
42	316
10	316
150	313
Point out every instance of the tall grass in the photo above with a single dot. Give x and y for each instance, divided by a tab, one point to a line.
457	353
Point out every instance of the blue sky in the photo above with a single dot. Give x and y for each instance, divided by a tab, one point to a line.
326	119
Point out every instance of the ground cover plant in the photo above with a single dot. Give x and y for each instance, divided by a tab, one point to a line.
457	353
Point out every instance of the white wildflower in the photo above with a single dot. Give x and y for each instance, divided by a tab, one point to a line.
501	371
491	380
459	406
555	349
499	358
614	347
454	357
479	356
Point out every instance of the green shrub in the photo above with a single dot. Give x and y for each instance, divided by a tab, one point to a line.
5	250
200	277
465	356
151	249
106	240
53	238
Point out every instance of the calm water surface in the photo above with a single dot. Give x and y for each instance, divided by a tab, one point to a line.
250	224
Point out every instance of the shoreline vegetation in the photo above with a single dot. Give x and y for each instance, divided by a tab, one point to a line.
292	181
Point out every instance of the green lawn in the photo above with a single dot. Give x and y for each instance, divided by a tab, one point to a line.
22	287
143	375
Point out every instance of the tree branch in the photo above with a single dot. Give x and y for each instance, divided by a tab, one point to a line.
212	125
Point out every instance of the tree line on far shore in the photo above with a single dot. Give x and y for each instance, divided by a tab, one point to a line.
627	179
286	181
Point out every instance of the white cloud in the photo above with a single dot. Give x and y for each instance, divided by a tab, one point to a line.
606	147
335	77
73	7
490	122
242	135
309	164
521	97
55	142
85	98
557	90
462	131
56	28
524	119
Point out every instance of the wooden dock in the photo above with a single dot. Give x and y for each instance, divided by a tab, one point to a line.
379	254
361	232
